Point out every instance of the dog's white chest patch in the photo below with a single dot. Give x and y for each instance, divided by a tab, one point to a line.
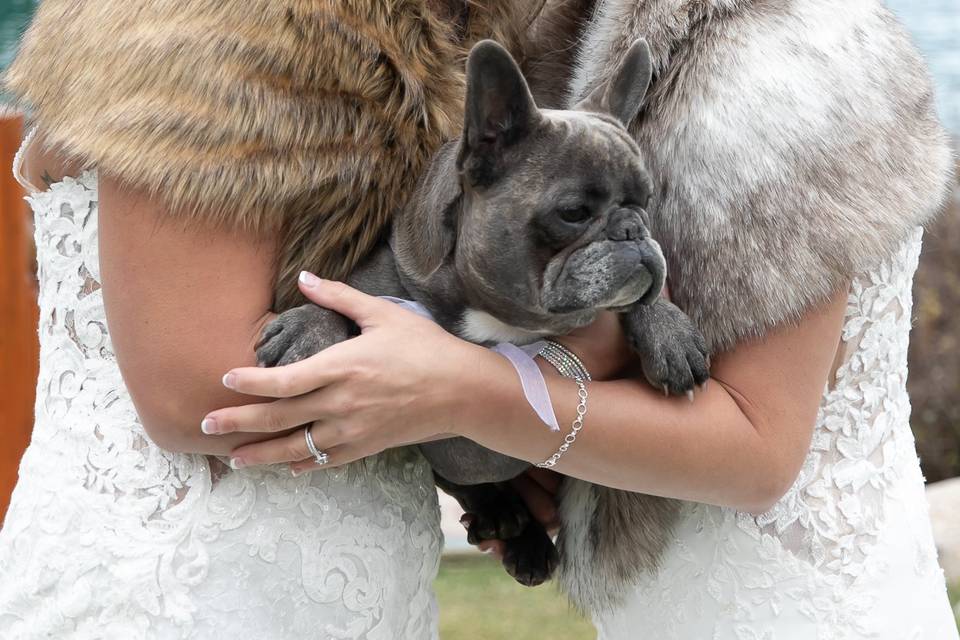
480	326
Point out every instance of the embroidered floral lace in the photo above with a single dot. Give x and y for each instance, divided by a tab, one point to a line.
108	536
847	553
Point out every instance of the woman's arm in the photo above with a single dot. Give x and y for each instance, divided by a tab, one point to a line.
740	444
184	305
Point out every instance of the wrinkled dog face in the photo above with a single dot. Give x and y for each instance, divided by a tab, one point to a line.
553	227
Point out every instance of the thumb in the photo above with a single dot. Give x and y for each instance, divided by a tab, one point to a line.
360	307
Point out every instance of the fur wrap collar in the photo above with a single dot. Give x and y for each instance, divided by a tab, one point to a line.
307	120
793	146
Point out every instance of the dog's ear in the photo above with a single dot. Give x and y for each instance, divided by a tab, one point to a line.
623	94
499	112
425	233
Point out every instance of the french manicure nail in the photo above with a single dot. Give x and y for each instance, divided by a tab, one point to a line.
209	426
230	380
307	279
237	463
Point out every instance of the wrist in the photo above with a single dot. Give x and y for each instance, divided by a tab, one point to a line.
486	390
601	346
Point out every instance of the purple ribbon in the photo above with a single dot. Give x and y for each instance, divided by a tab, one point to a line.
531	378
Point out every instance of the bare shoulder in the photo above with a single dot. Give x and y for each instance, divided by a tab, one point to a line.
44	165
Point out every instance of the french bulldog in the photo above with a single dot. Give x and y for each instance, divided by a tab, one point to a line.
528	226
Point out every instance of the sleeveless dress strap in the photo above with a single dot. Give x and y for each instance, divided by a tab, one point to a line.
18	162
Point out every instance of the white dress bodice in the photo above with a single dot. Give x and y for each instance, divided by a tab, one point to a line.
848	553
110	537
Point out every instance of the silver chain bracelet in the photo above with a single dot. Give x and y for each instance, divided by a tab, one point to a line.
570	366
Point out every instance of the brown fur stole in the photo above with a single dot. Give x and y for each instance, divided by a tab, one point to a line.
306	120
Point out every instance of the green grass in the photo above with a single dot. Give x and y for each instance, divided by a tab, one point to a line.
479	601
955	601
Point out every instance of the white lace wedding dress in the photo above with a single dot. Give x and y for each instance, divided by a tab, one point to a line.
848	553
109	537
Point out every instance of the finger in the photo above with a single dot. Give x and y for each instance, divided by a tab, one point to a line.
319	370
336	456
342	298
264	417
288	448
494	548
539	501
549	480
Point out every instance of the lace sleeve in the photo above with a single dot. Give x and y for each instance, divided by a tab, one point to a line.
18	163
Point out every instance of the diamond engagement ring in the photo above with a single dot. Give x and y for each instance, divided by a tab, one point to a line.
320	457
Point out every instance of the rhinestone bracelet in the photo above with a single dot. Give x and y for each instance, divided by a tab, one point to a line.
564	361
570	366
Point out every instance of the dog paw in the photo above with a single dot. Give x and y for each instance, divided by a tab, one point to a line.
672	351
500	520
299	333
531	558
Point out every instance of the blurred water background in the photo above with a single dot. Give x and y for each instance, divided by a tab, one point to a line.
14	15
934	23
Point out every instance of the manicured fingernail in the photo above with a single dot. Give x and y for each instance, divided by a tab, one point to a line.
209	426
237	463
296	473
307	279
230	380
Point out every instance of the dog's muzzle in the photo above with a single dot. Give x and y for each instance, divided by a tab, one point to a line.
621	267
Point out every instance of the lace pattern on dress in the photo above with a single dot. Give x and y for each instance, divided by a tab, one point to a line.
832	515
109	536
18	162
847	553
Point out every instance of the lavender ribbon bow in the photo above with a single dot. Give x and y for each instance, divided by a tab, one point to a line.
531	378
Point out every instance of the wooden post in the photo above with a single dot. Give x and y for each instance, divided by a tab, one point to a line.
19	351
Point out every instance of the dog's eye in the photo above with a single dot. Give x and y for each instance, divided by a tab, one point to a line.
575	215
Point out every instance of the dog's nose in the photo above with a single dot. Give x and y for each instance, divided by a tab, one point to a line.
625	224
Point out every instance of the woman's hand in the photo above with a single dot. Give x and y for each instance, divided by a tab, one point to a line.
602	345
401	381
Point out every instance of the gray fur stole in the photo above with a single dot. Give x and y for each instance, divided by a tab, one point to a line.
793	145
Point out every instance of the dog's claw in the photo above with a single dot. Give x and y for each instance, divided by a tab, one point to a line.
299	333
672	351
272	330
